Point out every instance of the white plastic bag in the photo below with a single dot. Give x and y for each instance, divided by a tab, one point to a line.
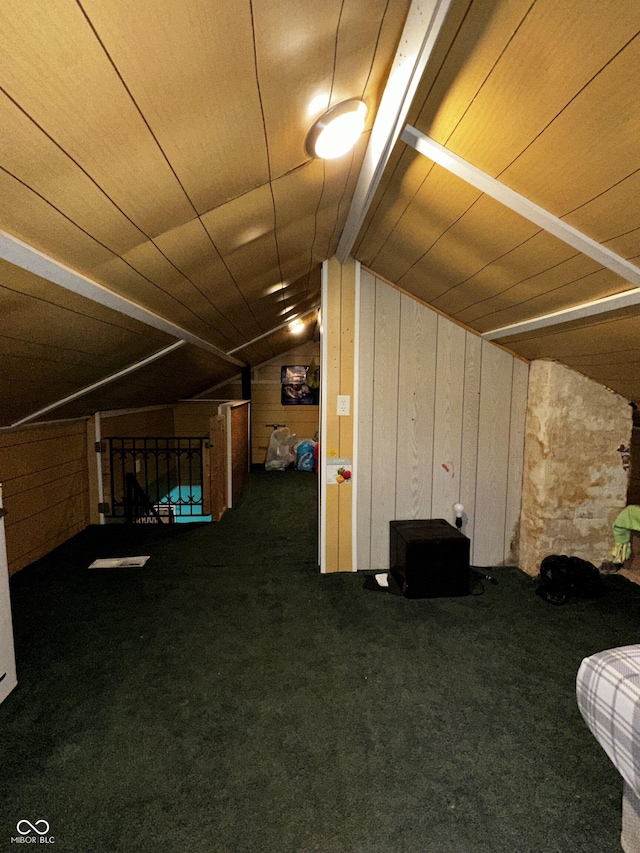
280	452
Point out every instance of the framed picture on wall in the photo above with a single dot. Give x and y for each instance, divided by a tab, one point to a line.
295	389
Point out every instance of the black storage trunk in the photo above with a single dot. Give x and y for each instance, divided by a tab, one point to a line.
429	559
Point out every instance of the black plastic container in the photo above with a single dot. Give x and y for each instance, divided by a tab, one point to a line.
429	559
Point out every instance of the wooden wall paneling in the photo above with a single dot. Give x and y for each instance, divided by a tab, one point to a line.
55	486
303	424
239	447
28	451
385	421
62	77
31	538
218	466
231	390
519	389
337	363
493	444
470	419
45	482
366	342
156	422
347	387
416	407
469	416
225	409
447	431
331	322
266	401
193	419
22	491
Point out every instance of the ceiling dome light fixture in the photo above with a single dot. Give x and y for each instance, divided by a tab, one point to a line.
337	130
296	327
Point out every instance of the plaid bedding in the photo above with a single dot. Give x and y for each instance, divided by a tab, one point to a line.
608	693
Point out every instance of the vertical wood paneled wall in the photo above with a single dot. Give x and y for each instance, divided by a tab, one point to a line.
266	400
339	307
440	420
193	419
45	482
156	421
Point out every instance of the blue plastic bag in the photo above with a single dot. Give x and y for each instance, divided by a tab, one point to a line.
304	455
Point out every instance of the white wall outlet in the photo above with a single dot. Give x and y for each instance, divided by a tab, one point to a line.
138	465
344	404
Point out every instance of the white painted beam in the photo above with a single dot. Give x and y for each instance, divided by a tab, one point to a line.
32	260
422	27
566	315
274	330
99	384
520	204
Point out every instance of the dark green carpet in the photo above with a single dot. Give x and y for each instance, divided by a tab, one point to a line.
227	698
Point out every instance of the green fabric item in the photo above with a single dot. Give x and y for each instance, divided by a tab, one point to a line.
627	521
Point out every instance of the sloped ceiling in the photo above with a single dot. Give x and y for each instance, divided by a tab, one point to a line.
156	150
541	96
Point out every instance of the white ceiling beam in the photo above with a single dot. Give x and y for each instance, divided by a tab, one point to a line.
593	308
422	27
22	255
276	329
99	384
520	204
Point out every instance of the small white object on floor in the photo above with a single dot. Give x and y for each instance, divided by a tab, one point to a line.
119	563
382	579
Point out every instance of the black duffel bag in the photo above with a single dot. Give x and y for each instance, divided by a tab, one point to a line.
562	578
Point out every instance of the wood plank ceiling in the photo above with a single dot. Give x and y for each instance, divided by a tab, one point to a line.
541	96
157	149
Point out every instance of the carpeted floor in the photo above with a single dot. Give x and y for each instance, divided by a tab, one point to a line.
226	698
